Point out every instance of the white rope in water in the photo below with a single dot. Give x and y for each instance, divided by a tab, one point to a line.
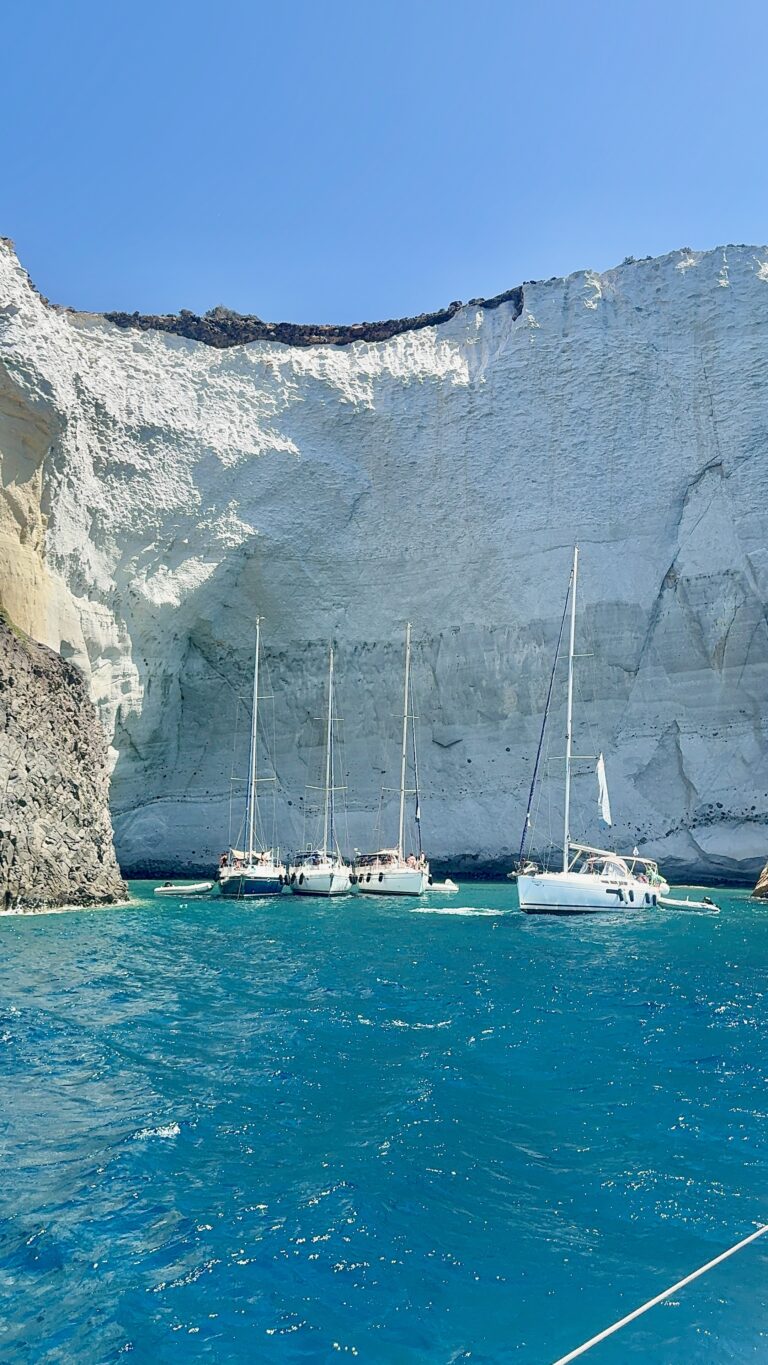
593	1341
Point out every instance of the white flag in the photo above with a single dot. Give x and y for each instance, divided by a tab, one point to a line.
602	787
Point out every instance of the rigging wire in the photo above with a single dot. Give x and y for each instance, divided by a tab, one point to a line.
232	768
586	689
527	821
342	759
332	792
534	823
272	756
378	825
417	808
249	793
659	1298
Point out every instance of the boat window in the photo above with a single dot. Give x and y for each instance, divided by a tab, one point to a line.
614	867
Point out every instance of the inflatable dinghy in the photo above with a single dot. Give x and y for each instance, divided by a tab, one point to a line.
191	889
669	903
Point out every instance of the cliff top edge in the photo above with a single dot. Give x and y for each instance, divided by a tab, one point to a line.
222	327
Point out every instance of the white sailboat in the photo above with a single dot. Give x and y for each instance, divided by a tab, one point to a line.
322	871
591	879
255	870
388	872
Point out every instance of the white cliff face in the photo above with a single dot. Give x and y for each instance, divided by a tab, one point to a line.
158	493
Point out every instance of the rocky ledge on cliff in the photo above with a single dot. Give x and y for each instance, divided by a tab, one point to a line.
55	828
222	327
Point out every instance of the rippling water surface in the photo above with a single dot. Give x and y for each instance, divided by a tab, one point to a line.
297	1131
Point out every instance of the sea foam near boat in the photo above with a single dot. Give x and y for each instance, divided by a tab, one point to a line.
466	910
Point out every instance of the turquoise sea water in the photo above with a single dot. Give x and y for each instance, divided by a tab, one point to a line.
406	1132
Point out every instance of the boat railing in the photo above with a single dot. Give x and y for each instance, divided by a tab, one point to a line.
375	862
598	862
315	857
392	864
246	864
629	858
632	864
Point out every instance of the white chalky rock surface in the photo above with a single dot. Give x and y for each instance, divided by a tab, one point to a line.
158	493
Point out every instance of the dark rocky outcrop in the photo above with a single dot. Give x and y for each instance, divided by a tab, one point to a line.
55	828
221	327
761	890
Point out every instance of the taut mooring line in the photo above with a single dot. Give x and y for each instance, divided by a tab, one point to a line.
593	1341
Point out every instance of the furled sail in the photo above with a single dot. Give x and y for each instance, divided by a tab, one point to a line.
602	787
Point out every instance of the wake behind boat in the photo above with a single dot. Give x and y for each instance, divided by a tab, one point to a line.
255	870
591	879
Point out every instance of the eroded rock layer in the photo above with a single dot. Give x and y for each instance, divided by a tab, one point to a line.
158	493
55	829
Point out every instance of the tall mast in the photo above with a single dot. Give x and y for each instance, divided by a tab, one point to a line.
254	735
405	738
332	802
569	714
328	744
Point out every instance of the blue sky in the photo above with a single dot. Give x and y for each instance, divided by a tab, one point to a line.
341	160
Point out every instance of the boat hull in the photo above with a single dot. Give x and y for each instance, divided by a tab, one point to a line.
321	882
578	893
402	882
247	885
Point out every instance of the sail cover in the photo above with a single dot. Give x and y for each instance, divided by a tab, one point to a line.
602	787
